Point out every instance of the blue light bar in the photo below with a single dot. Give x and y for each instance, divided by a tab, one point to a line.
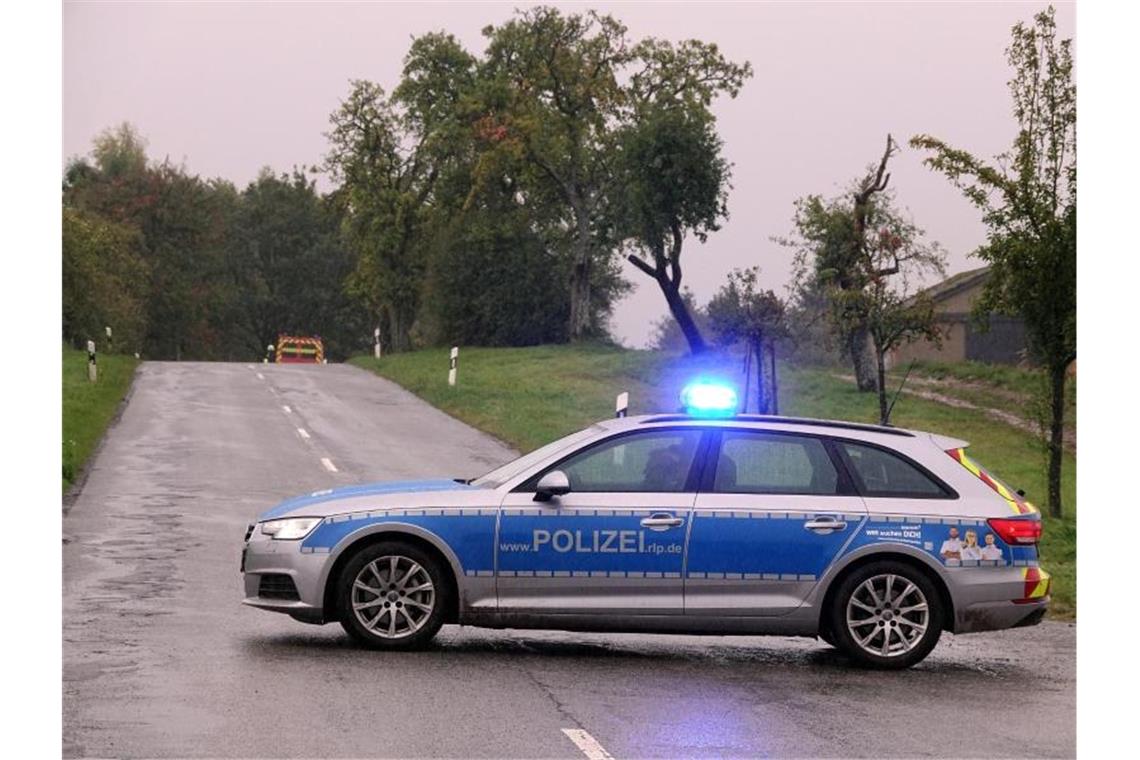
705	398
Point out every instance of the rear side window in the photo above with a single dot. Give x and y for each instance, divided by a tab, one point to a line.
773	464
881	473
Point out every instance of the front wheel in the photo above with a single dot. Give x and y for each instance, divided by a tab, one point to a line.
886	615
391	595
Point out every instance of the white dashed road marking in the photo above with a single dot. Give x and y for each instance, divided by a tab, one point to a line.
287	409
302	433
588	744
260	376
328	464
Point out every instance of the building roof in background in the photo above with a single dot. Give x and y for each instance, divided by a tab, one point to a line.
956	283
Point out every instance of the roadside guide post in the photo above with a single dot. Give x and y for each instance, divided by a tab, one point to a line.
454	365
376	343
110	343
621	409
92	373
268	354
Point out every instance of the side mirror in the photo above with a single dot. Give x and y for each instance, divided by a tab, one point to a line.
553	483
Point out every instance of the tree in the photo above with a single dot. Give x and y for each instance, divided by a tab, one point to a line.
183	223
553	96
863	256
290	265
672	176
1028	200
105	281
388	153
742	313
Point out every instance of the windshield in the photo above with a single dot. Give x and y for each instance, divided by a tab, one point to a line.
501	475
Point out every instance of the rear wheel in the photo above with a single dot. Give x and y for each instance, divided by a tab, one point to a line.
886	615
392	595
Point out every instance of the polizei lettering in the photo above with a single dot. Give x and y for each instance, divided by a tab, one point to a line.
592	542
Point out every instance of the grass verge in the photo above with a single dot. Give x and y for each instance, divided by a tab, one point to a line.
529	396
88	408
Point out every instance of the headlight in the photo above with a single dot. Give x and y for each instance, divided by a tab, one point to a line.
290	529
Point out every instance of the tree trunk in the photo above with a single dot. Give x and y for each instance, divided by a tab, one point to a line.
860	360
757	347
681	313
775	406
580	279
399	326
882	367
1057	377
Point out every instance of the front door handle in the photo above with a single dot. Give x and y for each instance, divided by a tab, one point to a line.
662	521
825	523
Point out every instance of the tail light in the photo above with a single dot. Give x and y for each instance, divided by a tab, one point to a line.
1016	532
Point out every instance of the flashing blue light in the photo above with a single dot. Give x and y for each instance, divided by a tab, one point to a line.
704	398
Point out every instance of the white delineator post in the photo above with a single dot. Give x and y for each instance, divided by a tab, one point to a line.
454	365
621	408
92	373
376	343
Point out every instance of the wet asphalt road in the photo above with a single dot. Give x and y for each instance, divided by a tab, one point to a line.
161	660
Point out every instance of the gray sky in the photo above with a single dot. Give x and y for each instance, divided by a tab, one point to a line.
229	88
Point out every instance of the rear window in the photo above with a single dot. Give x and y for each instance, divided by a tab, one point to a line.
1017	504
881	473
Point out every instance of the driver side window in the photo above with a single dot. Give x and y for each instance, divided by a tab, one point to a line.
656	461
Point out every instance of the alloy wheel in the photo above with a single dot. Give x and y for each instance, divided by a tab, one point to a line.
887	615
393	596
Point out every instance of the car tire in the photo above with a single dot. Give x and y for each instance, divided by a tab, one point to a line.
886	615
393	595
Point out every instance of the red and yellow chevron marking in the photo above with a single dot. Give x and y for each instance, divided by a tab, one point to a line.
292	348
1016	504
1037	583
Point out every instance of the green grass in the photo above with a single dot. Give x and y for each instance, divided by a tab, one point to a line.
89	407
529	396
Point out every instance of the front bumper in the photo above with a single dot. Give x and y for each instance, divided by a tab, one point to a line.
263	556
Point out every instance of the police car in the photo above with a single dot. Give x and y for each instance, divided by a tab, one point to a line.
875	539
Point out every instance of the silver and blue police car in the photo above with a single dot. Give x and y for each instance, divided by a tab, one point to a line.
875	539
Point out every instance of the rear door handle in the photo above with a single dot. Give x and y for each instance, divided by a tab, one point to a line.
825	523
662	521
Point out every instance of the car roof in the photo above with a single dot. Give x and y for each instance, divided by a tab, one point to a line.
781	423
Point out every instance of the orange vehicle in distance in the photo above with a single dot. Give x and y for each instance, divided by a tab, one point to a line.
297	349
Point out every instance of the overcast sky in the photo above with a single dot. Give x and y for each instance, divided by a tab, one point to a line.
228	88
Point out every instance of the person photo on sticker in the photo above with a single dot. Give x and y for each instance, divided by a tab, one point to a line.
952	547
991	550
971	550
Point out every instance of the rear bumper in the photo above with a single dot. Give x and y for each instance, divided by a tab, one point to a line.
997	616
992	599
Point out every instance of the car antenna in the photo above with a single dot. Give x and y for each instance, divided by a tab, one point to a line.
891	408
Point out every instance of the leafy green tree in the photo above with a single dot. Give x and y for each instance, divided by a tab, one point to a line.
553	97
105	282
674	182
290	265
183	222
741	312
388	154
1028	199
865	258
